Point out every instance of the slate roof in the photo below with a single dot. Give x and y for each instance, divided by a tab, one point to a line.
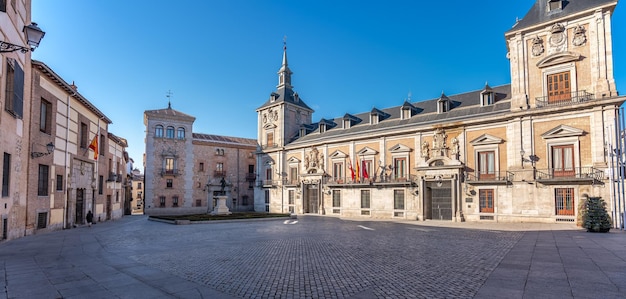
287	95
68	88
171	113
539	14
463	106
224	139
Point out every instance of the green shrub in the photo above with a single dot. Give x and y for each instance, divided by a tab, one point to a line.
595	217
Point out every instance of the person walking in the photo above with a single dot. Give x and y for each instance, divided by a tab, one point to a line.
89	218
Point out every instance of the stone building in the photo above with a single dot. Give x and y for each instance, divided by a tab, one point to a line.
184	170
67	176
15	103
137	192
532	150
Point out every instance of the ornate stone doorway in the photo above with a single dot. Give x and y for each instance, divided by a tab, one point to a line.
311	199
439	203
80	206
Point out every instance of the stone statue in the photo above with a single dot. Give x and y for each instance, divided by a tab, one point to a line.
455	147
425	149
223	185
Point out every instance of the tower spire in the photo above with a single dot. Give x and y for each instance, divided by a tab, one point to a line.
284	74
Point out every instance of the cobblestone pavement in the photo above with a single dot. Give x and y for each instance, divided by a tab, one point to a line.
309	257
321	257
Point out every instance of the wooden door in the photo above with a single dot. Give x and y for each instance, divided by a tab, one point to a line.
559	87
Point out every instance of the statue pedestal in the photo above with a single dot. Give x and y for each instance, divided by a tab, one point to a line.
220	208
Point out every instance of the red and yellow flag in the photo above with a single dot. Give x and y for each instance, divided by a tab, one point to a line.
358	171
94	146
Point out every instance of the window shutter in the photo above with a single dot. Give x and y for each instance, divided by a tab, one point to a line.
18	91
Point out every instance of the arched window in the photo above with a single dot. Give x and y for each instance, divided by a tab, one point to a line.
180	133
158	131
170	132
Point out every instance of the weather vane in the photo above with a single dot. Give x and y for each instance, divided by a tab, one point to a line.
169	94
285	42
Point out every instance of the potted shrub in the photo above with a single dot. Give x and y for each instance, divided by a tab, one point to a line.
595	216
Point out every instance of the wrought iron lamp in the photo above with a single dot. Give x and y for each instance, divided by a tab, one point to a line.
49	148
33	36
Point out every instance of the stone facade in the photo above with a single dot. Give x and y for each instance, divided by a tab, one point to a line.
14	134
184	170
71	180
532	150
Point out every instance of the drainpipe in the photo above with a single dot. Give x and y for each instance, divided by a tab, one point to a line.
68	181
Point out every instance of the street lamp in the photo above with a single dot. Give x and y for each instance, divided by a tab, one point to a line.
49	148
33	36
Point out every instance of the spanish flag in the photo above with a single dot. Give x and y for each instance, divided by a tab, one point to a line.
94	146
358	171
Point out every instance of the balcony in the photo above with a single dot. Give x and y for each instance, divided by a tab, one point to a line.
250	177
406	180
291	182
169	172
268	183
112	177
573	97
489	177
576	175
219	173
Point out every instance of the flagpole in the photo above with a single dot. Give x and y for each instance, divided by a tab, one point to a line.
97	178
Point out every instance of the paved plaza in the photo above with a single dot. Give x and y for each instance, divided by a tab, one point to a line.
315	257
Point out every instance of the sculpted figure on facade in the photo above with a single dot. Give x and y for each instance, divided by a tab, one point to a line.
439	143
314	161
425	150
455	148
579	36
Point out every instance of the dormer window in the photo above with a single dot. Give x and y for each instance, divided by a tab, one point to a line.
296	98
406	113
302	132
555	6
273	97
322	128
374	118
487	96
443	104
486	99
407	110
350	120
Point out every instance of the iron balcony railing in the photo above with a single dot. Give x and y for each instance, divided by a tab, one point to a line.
490	176
564	99
172	172
219	173
564	174
250	177
406	179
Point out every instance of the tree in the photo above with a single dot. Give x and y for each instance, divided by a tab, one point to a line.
595	216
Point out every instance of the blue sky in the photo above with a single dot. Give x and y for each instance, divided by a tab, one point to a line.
219	58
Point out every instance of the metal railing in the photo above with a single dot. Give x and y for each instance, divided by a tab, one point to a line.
573	97
250	177
491	176
387	179
590	173
165	171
